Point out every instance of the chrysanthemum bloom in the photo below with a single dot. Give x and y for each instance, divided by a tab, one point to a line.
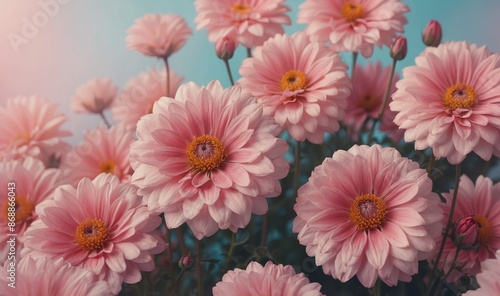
46	277
29	124
450	101
481	203
158	35
249	22
95	96
140	93
355	25
102	150
209	157
488	278
303	85
24	184
368	212
101	226
364	103
271	279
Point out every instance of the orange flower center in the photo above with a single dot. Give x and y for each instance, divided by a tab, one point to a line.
23	209
368	102
240	12
367	211
107	166
205	153
91	234
22	139
293	80
352	11
460	96
484	229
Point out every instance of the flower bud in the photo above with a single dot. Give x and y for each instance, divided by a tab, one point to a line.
432	34
186	262
224	48
399	48
466	232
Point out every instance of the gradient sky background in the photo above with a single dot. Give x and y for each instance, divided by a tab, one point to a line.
83	39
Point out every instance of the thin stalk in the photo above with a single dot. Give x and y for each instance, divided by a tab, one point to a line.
430	167
231	252
106	122
354	60
249	52
263	238
182	244
170	254
376	288
199	266
453	264
167	69
228	69
296	176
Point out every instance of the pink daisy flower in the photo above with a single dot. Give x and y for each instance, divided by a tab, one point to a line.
158	35
368	212
450	101
353	25
95	96
270	279
368	88
99	225
140	93
481	202
51	278
29	125
24	184
488	278
209	158
303	85
249	22
101	151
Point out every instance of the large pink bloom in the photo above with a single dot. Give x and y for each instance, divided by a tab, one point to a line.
368	212
102	150
482	203
488	278
95	96
303	85
209	157
158	35
101	226
46	277
368	88
249	22
27	182
450	101
29	125
140	93
353	25
271	279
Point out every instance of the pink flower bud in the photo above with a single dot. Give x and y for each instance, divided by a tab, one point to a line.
224	48
465	232
186	262
399	48
432	34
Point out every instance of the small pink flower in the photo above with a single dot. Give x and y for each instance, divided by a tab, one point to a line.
224	48
94	96
432	34
302	84
249	22
158	35
399	48
101	151
354	26
450	101
270	279
465	232
368	212
488	278
140	94
45	277
209	157
100	225
29	124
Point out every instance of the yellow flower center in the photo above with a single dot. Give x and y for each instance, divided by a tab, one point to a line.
23	209
205	153
460	95
368	102
22	139
293	80
91	234
484	229
107	166
240	12
367	211
352	11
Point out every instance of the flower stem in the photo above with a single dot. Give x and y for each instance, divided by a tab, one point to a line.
167	70
354	60
106	122
182	244
263	238
430	167
199	266
453	264
249	52
226	62
170	254
296	169
231	252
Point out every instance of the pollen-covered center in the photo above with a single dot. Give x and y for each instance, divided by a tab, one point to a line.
368	102
205	153
293	80
240	12
484	229
352	11
460	96
107	166
23	209
367	211
92	234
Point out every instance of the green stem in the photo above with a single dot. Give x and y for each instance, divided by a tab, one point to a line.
453	264
182	244
228	69
199	266
376	288
231	252
296	169
167	69
430	167
354	60
249	52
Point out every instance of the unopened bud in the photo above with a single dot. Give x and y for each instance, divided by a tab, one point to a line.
466	232
432	34
399	48
224	48
186	262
